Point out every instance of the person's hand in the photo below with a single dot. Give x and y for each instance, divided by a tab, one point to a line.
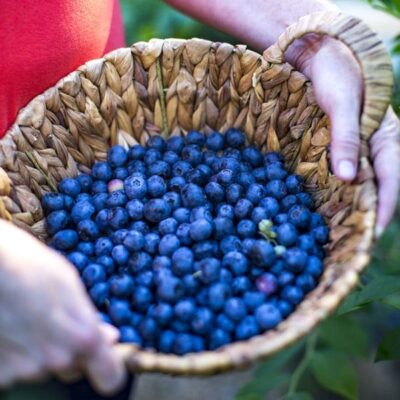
338	86
47	323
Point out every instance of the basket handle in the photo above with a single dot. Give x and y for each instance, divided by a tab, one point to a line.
366	47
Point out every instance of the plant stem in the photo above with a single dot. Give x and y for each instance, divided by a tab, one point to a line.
303	364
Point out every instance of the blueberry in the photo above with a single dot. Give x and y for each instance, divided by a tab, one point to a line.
284	307
270	205
177	183
118	218
120	254
210	269
201	229
306	242
119	312
192	195
218	293
141	298
202	321
247	328
137	167
223	227
155	210
209	158
151	156
225	323
259	175
235	309
99	201
267	283
70	187
305	282
215	192
99	293
170	289
245	179
162	313
316	220
285	278
191	284
292	294
262	253
253	299
299	216
295	259
103	246
183	344
253	156
136	152
305	199
139	226
185	309
135	187
225	211
234	138
134	241
117	156
116	199
156	142
151	242
81	197
192	154
56	221
99	187
173	199
107	262
160	168
233	193
82	210
103	218
255	192
88	230
286	234
275	170
219	338
102	171
170	157
272	157
320	234
195	137
230	243
276	188
121	173
228	163
86	248
294	184
148	329
240	285
182	261
235	262
68	202
85	181
166	341
215	141
181	215
168	244
180	168
92	274
268	316
162	263
183	234
130	335
225	177
258	214
207	248
247	245
79	259
144	278
246	228
140	261
135	209
314	266
233	153
243	208
281	218
66	239
288	202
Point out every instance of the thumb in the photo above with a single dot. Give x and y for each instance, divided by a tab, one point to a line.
345	142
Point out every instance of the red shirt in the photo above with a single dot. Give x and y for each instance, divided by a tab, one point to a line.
41	41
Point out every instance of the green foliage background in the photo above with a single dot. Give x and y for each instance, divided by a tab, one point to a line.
366	327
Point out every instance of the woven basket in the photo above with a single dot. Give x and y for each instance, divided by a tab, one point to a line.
171	86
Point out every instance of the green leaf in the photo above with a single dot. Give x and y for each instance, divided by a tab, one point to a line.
346	335
389	348
377	289
259	387
334	373
298	396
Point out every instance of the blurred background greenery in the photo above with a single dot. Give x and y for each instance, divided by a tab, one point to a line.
338	359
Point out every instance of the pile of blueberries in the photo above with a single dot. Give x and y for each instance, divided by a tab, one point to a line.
190	243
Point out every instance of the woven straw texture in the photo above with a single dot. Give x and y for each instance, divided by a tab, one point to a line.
168	87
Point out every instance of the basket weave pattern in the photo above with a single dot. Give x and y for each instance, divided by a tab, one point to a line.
168	87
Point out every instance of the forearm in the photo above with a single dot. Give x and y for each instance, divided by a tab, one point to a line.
256	22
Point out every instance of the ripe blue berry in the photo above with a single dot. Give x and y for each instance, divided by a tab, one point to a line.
258	214
292	294
320	234
218	293
136	152
56	221
70	187
192	195
173	199
85	182
247	328
102	171
82	210
200	229
296	259
135	187
255	192
155	210
66	239
129	334
151	156
119	312
192	154
202	321
235	309
183	234
103	246
162	313
267	284
170	289
140	261
88	230
253	156
253	299
182	261
235	262
225	177
230	243
168	244
99	187
156	142
118	218
276	188
117	156
246	228
195	137
233	193
86	248
219	338
314	266
287	234
215	192
122	286
215	141
225	211
299	216
262	253
185	309
141	298
166	341
92	274
135	209
245	179
243	208
234	138
79	259
268	316
210	269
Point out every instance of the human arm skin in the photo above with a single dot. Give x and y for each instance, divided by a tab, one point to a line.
47	322
324	60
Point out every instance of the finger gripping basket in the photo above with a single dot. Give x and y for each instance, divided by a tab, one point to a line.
171	86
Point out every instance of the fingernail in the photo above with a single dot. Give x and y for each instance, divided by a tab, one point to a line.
346	169
378	231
